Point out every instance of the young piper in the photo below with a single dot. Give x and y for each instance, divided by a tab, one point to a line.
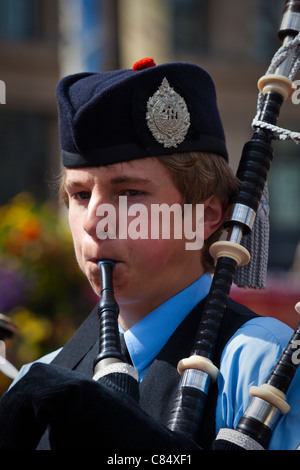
152	137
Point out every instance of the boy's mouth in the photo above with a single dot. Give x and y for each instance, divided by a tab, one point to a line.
102	259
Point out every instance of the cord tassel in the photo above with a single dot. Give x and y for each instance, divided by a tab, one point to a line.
254	274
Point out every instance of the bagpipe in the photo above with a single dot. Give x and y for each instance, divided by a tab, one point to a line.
198	371
72	413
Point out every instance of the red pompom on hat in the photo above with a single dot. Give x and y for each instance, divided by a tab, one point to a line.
144	64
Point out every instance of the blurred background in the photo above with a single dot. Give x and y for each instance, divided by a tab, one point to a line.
41	289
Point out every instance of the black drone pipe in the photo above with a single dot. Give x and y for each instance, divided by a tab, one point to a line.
110	366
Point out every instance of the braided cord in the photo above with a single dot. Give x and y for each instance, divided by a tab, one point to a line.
283	53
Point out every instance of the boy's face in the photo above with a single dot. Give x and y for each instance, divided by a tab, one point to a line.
147	271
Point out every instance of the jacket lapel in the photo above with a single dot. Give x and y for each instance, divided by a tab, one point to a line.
80	343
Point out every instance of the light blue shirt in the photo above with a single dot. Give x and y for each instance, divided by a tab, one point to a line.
247	359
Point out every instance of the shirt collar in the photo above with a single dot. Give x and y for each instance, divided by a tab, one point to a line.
147	337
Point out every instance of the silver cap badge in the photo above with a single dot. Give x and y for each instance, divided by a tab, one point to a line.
167	116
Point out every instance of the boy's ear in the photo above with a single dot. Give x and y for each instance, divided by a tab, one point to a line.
214	215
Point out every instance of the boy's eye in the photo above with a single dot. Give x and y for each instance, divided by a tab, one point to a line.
133	192
82	195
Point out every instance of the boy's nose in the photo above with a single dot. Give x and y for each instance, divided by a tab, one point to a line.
100	219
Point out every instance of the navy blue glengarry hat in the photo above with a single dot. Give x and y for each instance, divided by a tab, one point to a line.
110	117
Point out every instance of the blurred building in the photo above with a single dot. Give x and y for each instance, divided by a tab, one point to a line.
42	40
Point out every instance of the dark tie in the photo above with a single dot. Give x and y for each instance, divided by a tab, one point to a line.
124	348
